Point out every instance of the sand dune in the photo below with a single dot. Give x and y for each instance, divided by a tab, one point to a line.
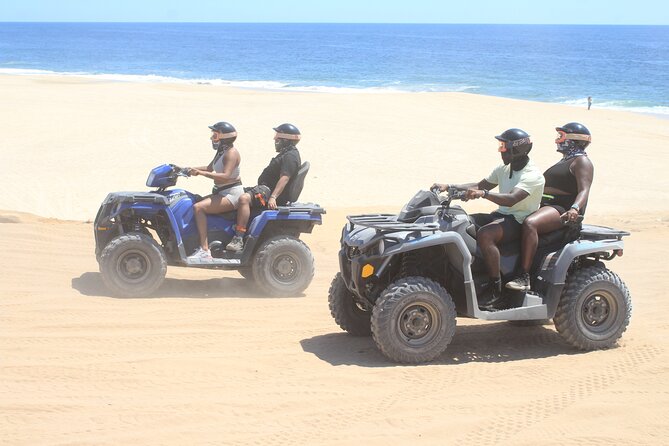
210	360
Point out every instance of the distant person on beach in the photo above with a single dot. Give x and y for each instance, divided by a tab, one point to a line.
565	195
273	182
589	102
520	187
224	170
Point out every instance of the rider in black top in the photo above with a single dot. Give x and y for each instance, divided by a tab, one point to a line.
273	182
286	163
565	195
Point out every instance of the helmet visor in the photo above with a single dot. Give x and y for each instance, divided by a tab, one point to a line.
280	135
561	137
217	135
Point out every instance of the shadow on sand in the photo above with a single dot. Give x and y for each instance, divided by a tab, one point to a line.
91	284
490	342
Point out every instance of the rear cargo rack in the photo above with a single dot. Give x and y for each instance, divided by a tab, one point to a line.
592	232
308	208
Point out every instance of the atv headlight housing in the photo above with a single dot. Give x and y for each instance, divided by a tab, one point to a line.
375	249
352	251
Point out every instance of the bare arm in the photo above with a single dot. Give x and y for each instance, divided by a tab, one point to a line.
510	199
584	172
280	186
482	185
230	160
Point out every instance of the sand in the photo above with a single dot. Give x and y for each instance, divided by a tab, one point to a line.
208	360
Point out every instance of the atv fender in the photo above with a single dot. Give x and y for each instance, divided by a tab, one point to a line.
457	252
555	266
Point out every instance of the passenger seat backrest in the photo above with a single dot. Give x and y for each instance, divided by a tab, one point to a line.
297	183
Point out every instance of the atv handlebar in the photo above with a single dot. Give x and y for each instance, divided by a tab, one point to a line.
180	171
453	193
457	194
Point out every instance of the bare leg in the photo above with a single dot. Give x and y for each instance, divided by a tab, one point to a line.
214	204
243	210
545	219
487	239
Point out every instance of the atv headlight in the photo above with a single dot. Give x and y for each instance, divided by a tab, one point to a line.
151	179
375	249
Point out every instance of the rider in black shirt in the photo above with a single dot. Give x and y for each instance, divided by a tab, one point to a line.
273	182
565	195
286	163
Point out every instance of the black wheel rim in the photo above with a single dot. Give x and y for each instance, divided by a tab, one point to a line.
285	268
599	311
418	323
133	266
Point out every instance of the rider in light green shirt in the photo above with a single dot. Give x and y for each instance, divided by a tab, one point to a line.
520	188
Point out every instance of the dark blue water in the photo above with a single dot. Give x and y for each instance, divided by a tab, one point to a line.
619	66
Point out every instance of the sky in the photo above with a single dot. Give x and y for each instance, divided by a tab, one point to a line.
615	12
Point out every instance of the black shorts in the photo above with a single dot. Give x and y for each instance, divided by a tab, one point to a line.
557	207
558	202
510	226
259	195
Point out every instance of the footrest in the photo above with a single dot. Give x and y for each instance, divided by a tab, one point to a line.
531	299
514	314
213	262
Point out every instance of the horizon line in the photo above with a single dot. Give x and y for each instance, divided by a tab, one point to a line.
331	23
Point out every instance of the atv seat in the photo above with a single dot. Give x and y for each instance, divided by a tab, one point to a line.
297	183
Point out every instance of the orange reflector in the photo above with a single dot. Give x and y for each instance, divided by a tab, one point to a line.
100	228
367	271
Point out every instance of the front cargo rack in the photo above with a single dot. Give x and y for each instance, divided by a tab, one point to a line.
389	223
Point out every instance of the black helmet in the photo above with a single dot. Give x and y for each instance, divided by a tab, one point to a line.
572	136
288	131
516	141
286	135
225	128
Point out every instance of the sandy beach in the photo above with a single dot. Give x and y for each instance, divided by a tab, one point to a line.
208	360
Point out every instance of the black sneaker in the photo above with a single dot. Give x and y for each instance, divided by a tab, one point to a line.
496	298
520	283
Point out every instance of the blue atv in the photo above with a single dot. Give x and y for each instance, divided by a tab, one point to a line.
137	234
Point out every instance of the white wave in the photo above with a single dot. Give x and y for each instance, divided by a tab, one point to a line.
112	77
394	87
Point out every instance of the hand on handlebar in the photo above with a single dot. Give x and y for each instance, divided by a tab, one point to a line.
181	171
473	194
437	187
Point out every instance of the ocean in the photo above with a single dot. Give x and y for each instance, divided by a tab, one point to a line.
621	67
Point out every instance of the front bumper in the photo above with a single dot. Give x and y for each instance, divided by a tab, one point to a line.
355	268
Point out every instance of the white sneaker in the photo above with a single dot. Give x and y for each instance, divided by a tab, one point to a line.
520	283
200	256
236	244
